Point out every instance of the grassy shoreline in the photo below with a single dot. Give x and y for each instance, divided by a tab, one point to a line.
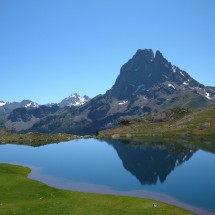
20	195
34	139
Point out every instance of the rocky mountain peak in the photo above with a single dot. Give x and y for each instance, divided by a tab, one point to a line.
74	100
147	55
158	55
142	71
146	71
29	104
143	55
73	95
87	98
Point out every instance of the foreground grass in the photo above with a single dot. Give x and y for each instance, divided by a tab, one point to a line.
20	195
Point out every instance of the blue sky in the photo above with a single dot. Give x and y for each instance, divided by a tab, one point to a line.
52	48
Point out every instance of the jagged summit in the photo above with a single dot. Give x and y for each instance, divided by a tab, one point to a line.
158	55
146	70
143	55
74	100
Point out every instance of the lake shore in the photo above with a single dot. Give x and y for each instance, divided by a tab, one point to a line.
36	174
32	197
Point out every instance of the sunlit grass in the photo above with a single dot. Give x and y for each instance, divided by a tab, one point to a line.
201	123
20	195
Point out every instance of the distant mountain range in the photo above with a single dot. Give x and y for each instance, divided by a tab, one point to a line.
147	83
31	108
6	107
73	100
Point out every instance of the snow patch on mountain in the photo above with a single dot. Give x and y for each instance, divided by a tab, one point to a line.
31	104
186	82
170	85
207	95
174	69
123	102
182	73
2	104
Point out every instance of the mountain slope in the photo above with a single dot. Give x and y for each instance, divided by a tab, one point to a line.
7	107
147	83
172	122
24	118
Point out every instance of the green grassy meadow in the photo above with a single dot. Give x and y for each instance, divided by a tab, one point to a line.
20	195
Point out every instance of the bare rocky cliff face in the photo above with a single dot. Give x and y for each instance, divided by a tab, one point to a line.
147	71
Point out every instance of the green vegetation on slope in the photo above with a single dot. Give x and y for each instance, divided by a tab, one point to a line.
20	195
173	122
34	139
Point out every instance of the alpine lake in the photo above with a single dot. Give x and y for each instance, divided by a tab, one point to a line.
178	172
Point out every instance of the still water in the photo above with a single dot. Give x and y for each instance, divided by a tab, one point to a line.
151	170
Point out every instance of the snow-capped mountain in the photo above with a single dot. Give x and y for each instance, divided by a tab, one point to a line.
31	104
6	107
74	100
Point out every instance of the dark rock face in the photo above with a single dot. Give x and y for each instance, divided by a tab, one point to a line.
25	115
22	119
144	71
7	107
147	83
133	74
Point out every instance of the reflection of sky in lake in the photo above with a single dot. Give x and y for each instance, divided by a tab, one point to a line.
188	176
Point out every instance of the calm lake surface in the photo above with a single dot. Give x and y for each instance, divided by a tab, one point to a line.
154	170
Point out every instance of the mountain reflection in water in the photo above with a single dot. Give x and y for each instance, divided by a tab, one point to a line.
150	164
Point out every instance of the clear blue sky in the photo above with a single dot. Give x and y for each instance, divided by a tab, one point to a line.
52	48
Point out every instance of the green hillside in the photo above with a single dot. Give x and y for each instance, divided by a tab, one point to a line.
169	123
